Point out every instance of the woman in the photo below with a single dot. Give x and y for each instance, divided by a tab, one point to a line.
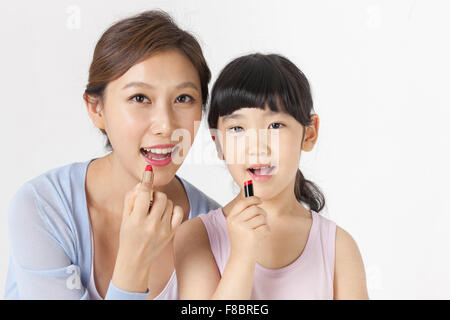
84	230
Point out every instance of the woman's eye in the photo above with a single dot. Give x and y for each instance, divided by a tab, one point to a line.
276	125
184	98
139	98
236	129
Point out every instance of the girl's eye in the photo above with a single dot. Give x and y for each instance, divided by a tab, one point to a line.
276	125
184	98
140	98
236	129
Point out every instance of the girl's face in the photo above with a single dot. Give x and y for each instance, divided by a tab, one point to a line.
155	104
251	138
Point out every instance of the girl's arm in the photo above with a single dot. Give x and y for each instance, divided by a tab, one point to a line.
197	272
349	274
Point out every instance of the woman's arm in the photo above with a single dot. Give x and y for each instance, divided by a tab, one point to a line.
349	275
40	247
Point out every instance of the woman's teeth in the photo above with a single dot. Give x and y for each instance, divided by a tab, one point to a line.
157	154
160	151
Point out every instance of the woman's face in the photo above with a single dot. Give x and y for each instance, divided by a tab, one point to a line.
155	104
255	138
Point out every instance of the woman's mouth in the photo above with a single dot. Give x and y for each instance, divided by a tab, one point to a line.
158	156
261	172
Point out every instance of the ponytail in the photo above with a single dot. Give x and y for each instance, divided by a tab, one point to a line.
306	191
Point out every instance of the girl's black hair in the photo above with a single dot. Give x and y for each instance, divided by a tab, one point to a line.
260	80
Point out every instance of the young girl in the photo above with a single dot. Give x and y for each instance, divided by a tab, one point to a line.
266	246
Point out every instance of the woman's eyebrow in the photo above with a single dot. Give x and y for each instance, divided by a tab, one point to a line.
187	84
138	84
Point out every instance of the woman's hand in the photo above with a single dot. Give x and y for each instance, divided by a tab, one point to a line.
247	226
143	235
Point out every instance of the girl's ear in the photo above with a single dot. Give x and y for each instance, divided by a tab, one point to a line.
311	134
94	108
214	135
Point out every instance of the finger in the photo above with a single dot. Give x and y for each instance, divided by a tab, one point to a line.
165	219
177	217
256	222
128	202
142	201
263	229
158	207
243	204
250	213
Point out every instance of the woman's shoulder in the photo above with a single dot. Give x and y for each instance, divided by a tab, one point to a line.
59	179
50	195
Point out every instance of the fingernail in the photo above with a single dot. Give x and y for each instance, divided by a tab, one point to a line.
148	174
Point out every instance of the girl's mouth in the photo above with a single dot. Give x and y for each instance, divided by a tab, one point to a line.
261	172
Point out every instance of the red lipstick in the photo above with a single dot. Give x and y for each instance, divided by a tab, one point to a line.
248	188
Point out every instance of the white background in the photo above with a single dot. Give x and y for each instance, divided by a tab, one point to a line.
379	72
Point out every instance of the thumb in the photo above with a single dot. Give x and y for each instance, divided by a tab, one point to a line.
147	183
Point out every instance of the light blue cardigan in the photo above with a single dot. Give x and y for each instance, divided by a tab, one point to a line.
50	236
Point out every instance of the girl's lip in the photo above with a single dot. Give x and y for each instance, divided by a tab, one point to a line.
259	177
159	163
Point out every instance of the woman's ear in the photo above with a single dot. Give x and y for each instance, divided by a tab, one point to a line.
95	110
310	134
214	135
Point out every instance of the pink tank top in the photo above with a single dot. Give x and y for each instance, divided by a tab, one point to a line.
310	276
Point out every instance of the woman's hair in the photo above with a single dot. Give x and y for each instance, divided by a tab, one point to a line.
134	39
258	81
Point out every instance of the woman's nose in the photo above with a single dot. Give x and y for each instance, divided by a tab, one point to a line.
162	120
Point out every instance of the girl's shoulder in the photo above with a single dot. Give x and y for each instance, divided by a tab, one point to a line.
195	233
350	277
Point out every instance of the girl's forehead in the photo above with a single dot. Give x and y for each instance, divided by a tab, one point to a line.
252	112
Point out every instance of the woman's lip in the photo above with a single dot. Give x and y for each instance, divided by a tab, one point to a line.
159	163
160	146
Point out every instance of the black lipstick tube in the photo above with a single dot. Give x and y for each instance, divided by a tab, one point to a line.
248	188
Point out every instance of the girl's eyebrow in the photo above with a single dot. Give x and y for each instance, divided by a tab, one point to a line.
232	116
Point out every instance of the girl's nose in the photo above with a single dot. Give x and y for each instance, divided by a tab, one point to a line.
258	146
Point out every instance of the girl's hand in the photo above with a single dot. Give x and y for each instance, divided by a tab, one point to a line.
247	226
143	235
